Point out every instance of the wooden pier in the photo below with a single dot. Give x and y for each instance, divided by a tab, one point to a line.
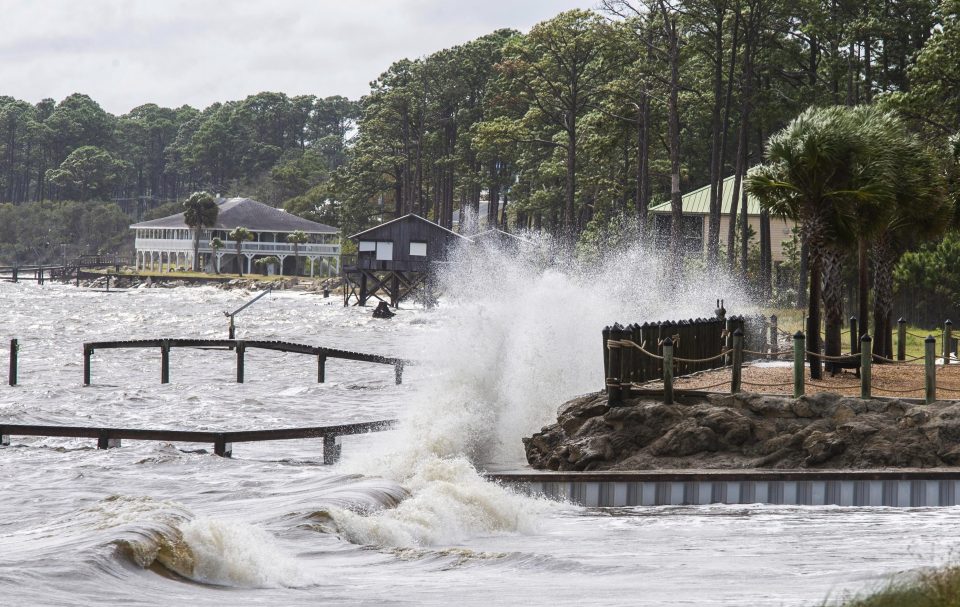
108	438
240	346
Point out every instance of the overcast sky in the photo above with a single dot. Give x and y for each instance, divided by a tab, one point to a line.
124	53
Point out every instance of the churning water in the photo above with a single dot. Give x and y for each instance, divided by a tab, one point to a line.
405	518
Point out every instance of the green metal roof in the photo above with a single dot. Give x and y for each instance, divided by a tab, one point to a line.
697	202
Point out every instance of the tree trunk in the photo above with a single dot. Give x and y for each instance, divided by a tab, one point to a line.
766	261
831	258
643	161
715	125
196	249
571	181
883	264
676	200
863	287
813	320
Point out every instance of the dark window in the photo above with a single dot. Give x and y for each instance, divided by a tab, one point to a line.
691	230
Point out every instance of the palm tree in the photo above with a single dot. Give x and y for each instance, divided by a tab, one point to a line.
238	235
811	175
200	211
297	238
921	211
216	244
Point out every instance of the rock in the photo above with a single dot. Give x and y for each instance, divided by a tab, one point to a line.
747	430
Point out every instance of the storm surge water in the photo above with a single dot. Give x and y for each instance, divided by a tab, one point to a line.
520	335
407	517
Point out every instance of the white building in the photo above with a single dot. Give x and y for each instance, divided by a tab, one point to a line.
166	244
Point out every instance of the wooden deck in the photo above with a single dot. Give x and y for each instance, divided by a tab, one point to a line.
222	441
239	346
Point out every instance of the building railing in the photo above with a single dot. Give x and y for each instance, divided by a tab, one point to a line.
229	246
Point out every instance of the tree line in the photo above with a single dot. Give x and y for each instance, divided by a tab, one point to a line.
576	127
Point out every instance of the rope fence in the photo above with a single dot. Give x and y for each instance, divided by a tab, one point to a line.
625	355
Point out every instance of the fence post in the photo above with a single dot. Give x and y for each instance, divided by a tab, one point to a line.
737	361
606	357
901	339
241	348
774	337
866	358
728	341
398	373
854	338
668	370
799	353
930	368
165	361
321	368
613	375
14	349
626	364
947	339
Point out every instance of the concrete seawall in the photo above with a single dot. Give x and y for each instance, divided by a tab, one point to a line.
893	488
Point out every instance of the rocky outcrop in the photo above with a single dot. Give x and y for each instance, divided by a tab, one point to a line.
747	431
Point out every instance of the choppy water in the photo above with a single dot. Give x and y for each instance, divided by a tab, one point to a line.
404	519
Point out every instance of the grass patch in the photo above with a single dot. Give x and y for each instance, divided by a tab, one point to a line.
935	588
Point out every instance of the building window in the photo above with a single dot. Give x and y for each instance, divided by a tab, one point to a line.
367	245
418	249
384	251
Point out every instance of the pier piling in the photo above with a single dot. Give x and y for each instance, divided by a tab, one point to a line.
737	374
866	359
930	368
14	350
799	351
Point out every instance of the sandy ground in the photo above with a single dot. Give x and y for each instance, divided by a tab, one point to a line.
903	380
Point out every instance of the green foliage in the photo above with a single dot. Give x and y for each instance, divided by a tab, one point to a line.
33	232
88	172
930	272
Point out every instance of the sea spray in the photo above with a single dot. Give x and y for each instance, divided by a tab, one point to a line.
519	334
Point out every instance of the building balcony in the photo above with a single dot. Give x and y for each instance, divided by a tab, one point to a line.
230	247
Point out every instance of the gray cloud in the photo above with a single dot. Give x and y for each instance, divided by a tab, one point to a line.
127	52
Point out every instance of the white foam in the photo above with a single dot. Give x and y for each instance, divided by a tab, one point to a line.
519	334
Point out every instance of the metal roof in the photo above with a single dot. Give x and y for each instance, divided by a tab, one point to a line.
250	214
697	202
409	216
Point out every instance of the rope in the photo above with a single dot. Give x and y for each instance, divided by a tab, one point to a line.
780	385
723	383
777	353
892	391
839	387
897	362
946	389
641	348
918	335
701	360
842	358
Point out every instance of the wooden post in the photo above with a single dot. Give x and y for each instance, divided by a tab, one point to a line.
626	364
232	330
241	348
222	448
331	449
799	353
774	337
901	339
728	342
947	341
398	373
854	338
321	368
86	365
105	442
737	361
14	349
866	358
165	361
668	370
613	379
930	368
606	357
